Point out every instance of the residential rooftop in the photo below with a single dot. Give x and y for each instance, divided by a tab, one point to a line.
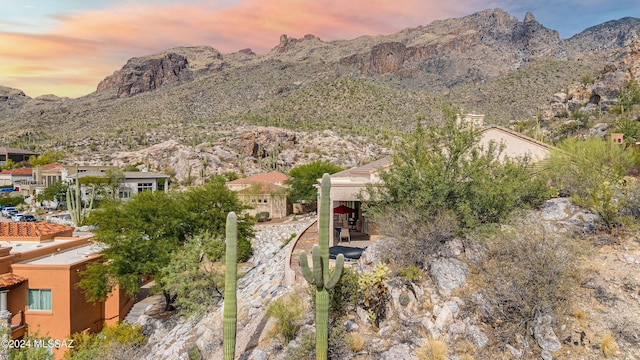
18	246
33	231
68	257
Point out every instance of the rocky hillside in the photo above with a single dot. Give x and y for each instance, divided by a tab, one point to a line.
375	86
443	304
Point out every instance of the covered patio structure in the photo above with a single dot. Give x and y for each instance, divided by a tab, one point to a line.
347	187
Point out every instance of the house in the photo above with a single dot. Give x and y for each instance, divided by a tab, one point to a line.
40	266
15	176
133	182
15	155
347	186
265	193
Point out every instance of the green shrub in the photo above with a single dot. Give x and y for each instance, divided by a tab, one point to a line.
375	292
289	313
262	216
11	201
345	294
586	79
443	168
412	273
114	340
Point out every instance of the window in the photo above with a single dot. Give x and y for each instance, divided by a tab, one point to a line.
145	187
124	194
39	299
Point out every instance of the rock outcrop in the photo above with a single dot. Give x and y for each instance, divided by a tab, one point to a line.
150	72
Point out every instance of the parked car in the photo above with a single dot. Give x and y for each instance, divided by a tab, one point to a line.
5	211
28	218
17	217
10	213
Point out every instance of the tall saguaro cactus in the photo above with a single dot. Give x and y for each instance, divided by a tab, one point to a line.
230	281
320	274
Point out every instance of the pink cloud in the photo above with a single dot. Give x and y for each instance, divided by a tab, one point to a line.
91	45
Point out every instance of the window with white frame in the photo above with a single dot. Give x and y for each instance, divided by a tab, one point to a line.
145	187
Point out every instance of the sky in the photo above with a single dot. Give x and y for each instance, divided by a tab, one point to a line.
66	47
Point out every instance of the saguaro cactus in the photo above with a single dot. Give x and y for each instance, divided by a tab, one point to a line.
230	280
320	274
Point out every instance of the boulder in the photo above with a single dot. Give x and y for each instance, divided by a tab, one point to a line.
544	334
449	274
398	352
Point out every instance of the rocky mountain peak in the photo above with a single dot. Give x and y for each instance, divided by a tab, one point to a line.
528	17
147	73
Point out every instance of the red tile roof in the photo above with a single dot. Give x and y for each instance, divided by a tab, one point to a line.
18	171
51	166
39	230
273	178
8	280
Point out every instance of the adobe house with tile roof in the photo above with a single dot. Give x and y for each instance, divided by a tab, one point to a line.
265	193
347	185
40	265
15	176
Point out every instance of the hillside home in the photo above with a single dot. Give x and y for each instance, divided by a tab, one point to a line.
265	193
15	176
40	266
132	183
15	155
347	185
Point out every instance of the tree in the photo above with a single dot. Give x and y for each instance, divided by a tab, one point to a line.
57	191
306	176
140	234
206	208
144	234
48	157
443	168
9	165
195	275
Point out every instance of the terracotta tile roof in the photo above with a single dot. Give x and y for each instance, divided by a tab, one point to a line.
39	230
51	166
274	177
18	171
8	280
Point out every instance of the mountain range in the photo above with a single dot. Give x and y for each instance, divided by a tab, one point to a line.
371	86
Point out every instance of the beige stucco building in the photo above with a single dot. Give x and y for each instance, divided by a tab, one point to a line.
264	193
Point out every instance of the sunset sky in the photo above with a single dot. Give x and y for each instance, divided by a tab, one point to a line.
65	47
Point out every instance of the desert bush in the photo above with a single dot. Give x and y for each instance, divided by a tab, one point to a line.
443	168
586	79
411	273
305	345
527	272
375	292
118	341
578	166
262	216
345	294
355	341
608	345
412	239
289	313
433	349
